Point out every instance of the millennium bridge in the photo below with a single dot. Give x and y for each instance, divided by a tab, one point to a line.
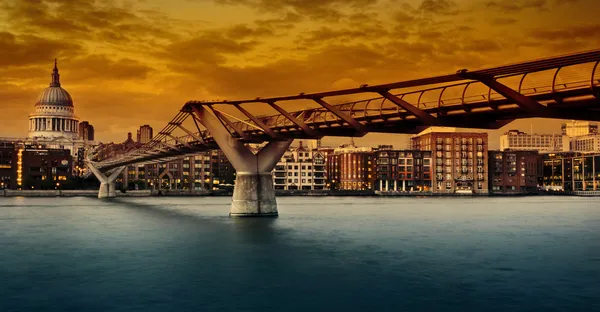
563	87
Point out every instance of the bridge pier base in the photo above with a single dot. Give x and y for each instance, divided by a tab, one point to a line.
107	183
253	193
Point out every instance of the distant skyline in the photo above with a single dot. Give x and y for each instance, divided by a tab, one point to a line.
129	63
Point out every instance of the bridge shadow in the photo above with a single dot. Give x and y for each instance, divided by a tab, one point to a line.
253	230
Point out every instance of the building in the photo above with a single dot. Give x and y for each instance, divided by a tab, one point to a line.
301	168
351	168
144	134
53	123
86	131
8	161
516	172
578	128
459	159
571	172
42	168
223	173
585	143
403	170
186	173
515	140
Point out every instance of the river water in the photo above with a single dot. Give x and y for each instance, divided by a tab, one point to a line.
321	254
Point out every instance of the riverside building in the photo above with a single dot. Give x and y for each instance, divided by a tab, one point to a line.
403	170
514	172
459	159
301	168
515	140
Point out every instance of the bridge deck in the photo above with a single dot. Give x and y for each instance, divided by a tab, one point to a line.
565	87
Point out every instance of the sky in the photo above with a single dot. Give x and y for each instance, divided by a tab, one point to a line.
128	63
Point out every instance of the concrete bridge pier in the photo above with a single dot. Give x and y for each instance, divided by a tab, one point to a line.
253	194
107	183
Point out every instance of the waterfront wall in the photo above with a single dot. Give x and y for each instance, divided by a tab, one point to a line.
66	193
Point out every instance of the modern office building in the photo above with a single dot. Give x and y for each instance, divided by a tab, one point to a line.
300	168
571	172
514	172
515	140
460	159
144	134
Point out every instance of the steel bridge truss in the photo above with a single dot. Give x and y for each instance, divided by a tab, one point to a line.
564	87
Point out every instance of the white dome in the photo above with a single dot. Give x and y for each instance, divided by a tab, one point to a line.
55	96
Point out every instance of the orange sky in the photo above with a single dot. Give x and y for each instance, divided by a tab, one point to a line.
128	63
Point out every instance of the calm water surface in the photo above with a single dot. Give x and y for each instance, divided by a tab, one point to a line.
321	254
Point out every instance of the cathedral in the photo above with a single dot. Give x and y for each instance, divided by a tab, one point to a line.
53	122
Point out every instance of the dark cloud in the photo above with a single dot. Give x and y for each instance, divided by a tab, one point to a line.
327	35
86	20
438	7
316	9
101	68
516	6
211	47
503	21
23	50
579	32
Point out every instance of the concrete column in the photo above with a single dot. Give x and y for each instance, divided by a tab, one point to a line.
107	183
126	178
404	185
253	194
395	185
380	185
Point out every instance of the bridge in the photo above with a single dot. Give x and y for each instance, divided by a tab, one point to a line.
564	87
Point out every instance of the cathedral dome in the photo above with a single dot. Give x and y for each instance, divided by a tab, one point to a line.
55	95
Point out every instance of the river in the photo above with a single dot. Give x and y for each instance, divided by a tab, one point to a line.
321	254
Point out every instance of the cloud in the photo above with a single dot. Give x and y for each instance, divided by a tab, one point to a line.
23	50
87	20
438	7
516	6
315	9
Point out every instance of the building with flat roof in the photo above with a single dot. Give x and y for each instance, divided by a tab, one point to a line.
514	172
515	140
403	170
459	160
578	128
571	171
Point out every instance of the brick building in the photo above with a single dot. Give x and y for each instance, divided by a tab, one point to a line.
403	170
514	171
459	159
351	168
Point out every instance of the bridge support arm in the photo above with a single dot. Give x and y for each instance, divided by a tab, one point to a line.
107	183
523	101
254	193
